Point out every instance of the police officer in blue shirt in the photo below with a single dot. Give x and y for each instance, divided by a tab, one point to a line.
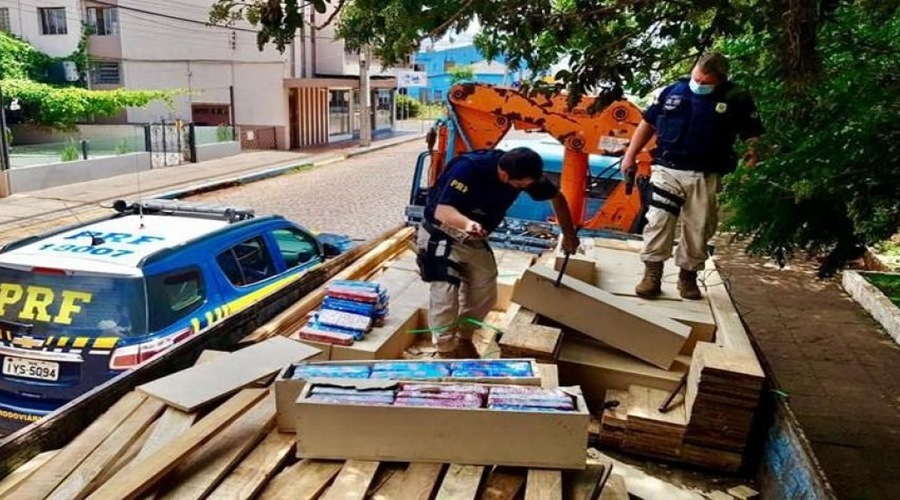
696	122
469	200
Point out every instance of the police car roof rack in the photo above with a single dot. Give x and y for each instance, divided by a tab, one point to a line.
177	207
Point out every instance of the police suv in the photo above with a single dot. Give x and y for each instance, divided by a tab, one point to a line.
81	304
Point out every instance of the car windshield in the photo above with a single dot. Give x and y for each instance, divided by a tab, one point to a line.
53	303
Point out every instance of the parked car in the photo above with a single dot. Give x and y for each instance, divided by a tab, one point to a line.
81	304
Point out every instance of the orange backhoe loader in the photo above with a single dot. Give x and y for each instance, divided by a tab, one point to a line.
480	115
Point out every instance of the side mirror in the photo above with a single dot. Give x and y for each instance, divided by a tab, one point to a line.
331	250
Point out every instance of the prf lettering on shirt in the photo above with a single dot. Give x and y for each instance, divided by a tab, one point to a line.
40	303
459	186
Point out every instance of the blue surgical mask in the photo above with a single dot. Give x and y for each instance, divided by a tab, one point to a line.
701	89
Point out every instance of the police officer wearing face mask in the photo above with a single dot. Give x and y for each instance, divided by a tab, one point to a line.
468	201
696	122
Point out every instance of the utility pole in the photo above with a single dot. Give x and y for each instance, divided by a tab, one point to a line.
365	96
4	145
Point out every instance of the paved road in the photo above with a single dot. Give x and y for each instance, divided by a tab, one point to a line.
362	196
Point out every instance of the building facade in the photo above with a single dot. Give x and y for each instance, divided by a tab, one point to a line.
222	76
438	64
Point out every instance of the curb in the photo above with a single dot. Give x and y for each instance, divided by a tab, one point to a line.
280	170
874	301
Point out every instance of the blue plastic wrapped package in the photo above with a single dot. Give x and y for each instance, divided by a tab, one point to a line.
408	370
350	391
306	371
493	368
352	400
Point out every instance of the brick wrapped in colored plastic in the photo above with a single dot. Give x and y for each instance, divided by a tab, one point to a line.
304	371
311	332
493	368
467	401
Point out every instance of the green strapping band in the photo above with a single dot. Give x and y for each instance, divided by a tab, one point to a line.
471	321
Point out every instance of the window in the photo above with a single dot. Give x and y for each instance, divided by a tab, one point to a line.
103	21
296	247
438	95
4	19
173	296
106	73
53	20
449	64
247	263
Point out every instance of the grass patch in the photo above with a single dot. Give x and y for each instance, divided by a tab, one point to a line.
889	284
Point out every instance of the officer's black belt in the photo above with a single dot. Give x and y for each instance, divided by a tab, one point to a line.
674	198
672	209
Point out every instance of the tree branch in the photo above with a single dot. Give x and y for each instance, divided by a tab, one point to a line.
449	22
334	14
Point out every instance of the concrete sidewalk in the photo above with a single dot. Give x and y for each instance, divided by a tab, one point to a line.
27	213
837	368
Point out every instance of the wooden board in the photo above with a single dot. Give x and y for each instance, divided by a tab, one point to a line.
598	368
603	316
614	489
549	376
252	473
156	466
461	482
731	333
584	484
531	341
504	483
302	481
206	467
544	485
84	478
353	481
650	432
44	480
420	481
23	472
190	389
580	267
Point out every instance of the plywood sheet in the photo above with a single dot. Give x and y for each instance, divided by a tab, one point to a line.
194	387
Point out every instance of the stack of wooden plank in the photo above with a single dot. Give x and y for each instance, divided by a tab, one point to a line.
722	397
614	420
711	424
648	431
531	341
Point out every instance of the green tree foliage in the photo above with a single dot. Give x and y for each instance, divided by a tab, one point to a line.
22	70
461	74
829	179
63	107
824	73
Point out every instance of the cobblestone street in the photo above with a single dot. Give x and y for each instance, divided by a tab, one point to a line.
362	196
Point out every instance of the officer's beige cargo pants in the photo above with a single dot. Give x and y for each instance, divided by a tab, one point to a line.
699	217
450	305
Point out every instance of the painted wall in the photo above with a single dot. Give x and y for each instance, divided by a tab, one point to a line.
60	174
25	22
437	64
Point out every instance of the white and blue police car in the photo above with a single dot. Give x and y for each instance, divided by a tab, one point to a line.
81	304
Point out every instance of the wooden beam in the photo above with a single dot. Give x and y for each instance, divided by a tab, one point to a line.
205	468
48	477
303	481
544	485
138	481
25	471
504	483
84	478
603	316
194	387
584	484
614	489
353	481
461	482
420	480
252	474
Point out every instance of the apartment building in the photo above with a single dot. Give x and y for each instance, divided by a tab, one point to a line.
309	94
